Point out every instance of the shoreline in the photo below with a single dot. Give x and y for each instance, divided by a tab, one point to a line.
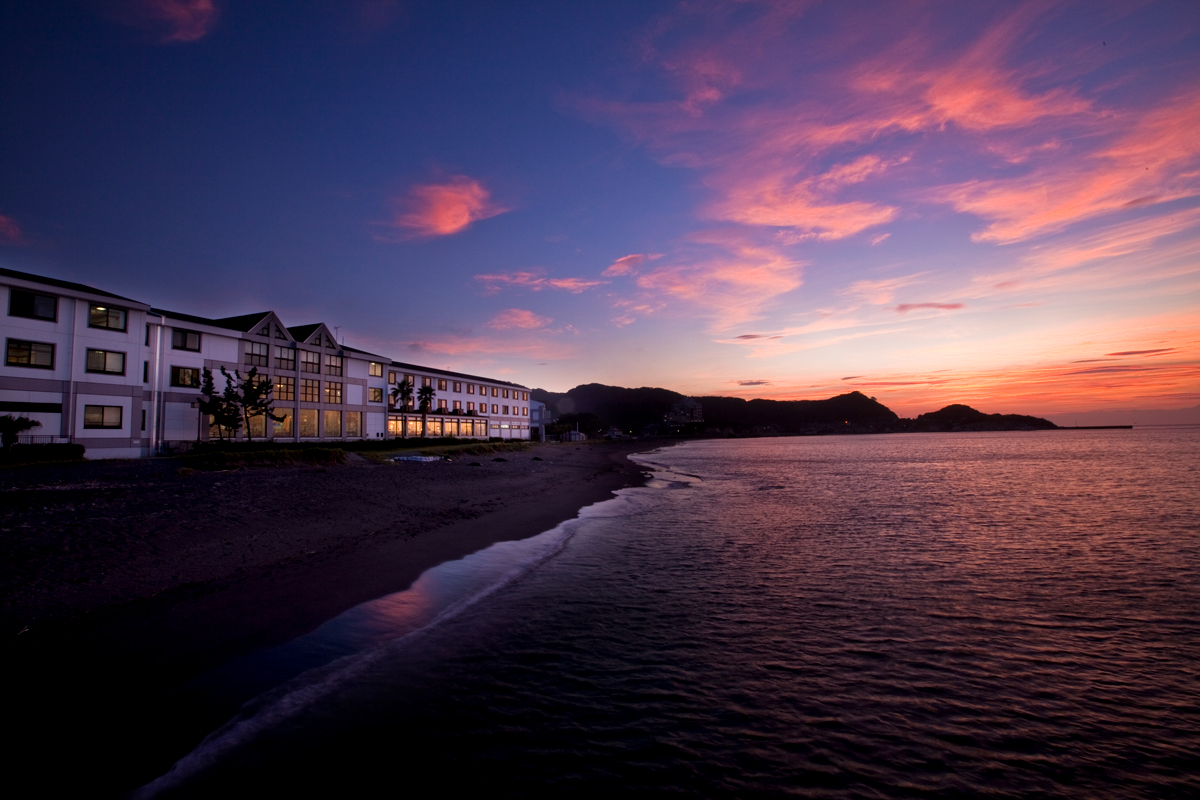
198	569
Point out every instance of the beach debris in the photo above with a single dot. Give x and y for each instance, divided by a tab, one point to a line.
474	464
417	458
499	459
537	458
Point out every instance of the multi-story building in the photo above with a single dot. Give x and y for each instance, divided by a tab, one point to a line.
463	405
123	378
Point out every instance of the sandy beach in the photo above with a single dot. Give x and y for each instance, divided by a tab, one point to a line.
122	580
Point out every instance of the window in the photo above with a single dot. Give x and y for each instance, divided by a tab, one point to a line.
524	411
185	376
285	387
374	395
310	392
147	336
457	386
434	427
310	362
308	423
441	385
145	372
108	417
442	404
143	419
333	392
495	408
333	423
525	395
411	380
458	405
285	358
282	427
505	409
256	355
470	388
258	427
495	392
332	345
391	377
106	361
354	423
505	394
470	406
265	330
333	365
280	334
427	381
31	305
375	369
185	340
106	317
38	355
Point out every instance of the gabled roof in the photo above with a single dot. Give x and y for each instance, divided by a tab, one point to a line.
75	287
246	323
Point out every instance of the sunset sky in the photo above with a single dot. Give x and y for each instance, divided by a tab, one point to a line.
989	203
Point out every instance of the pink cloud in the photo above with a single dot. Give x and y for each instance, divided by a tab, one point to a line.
630	264
518	318
170	20
442	209
535	281
904	308
882	291
10	231
731	280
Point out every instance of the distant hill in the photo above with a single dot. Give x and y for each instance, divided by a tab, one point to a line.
961	417
633	409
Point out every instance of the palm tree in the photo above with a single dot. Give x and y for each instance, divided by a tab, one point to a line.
402	395
11	426
425	396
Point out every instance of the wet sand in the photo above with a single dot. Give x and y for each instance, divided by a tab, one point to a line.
120	581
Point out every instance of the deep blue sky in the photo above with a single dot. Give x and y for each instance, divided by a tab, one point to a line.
927	201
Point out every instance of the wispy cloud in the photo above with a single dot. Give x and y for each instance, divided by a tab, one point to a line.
904	308
10	232
170	21
630	264
880	292
535	281
518	318
444	208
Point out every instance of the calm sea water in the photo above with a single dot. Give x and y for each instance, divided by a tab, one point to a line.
943	615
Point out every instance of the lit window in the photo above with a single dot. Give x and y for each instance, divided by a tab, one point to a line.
457	386
470	388
333	393
31	305
495	392
37	355
470	406
458	405
375	395
308	423
524	395
282	427
524	411
442	404
441	385
106	361
427	381
106	317
391	377
505	394
185	376
495	408
310	392
285	387
108	417
333	423
354	423
185	340
375	369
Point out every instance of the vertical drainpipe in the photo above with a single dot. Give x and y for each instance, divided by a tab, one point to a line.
68	415
155	384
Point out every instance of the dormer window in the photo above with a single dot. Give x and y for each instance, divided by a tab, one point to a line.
265	330
280	334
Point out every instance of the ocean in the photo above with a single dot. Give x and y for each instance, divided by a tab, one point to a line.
918	615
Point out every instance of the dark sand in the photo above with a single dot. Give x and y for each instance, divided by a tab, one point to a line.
121	581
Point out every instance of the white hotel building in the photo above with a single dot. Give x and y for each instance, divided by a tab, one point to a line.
122	378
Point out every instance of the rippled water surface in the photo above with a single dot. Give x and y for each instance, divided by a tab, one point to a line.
997	615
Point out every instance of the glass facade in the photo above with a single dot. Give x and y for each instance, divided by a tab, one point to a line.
308	423
283	427
258	427
310	391
333	423
354	423
285	387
